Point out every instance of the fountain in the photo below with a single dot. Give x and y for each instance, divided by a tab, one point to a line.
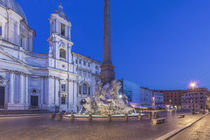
108	101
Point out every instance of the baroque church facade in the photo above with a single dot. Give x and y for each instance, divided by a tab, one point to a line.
59	79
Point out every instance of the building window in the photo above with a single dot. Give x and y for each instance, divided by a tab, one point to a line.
85	89
76	61
62	29
34	91
62	53
63	88
15	33
84	73
88	90
80	61
88	64
0	29
63	100
84	63
80	90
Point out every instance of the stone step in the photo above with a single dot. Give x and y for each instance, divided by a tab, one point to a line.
22	111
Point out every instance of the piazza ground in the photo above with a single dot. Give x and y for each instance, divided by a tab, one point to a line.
199	131
39	127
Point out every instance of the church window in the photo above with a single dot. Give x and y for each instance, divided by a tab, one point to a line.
34	91
63	87
84	73
85	89
88	90
22	41
15	32
62	29
63	100
62	53
0	29
80	89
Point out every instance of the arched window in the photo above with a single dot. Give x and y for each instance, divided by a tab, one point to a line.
0	29
80	89
62	53
88	90
85	89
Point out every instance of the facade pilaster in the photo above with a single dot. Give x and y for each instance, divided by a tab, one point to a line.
26	90
75	95
22	88
11	88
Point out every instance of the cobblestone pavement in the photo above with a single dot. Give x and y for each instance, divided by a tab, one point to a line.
41	128
199	131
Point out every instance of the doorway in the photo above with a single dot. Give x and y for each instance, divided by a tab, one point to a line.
2	97
34	101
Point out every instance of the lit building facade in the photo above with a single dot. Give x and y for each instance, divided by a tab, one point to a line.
158	99
59	79
151	98
145	97
173	98
195	99
131	90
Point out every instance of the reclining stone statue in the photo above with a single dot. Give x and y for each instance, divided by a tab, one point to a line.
108	100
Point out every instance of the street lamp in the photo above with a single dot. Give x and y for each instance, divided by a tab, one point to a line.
153	101
193	85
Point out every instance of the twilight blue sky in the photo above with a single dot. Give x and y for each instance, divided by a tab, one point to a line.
161	44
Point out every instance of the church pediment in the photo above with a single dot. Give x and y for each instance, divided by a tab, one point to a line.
7	57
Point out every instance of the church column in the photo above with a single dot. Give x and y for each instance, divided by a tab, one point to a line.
42	92
26	90
70	94
21	88
56	91
11	88
75	94
50	91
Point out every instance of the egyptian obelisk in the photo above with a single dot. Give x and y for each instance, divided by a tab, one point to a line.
107	69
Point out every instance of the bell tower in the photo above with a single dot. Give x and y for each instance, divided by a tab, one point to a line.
60	44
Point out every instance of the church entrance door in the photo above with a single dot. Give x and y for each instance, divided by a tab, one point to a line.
34	101
2	97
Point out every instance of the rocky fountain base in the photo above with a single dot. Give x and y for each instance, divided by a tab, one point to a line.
108	100
108	103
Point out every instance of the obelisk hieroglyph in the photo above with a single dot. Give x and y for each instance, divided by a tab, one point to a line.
107	69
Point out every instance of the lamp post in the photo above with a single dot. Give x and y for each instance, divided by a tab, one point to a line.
193	85
153	101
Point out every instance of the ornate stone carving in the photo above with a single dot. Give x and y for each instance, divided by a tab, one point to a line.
2	81
107	101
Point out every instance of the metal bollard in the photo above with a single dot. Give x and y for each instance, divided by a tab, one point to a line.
72	117
150	116
52	116
59	117
139	117
109	118
90	118
126	117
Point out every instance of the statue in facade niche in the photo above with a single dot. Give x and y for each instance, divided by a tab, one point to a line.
108	100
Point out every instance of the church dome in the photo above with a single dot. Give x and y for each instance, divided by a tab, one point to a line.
13	5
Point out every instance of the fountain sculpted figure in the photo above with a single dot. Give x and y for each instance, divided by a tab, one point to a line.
108	100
